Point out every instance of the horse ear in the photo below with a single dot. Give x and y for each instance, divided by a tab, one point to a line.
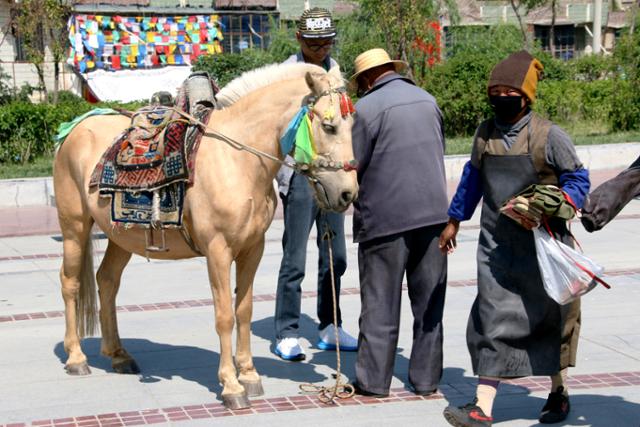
312	81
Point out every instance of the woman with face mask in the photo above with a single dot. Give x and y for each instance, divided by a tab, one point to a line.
515	329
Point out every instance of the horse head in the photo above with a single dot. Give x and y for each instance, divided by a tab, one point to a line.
331	173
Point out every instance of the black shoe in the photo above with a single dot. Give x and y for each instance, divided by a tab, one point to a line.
419	392
469	415
556	409
362	392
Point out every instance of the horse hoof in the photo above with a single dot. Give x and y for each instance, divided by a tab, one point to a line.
126	367
236	401
252	388
77	369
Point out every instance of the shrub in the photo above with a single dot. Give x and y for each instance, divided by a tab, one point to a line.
460	82
228	66
27	130
567	102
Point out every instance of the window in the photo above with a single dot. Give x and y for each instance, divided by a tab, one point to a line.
244	31
19	45
564	38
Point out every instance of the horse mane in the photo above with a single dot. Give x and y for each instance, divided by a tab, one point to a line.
260	77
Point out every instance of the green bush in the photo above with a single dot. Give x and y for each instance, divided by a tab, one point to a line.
228	66
567	102
625	109
27	130
460	82
355	35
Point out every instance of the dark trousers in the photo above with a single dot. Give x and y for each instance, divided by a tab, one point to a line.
300	213
383	263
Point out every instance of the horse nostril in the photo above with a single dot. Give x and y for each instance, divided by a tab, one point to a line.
347	197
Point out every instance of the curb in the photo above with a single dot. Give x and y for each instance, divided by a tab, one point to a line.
39	191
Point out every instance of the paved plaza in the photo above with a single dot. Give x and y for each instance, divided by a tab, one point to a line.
166	322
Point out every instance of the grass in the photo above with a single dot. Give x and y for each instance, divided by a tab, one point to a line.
41	166
581	134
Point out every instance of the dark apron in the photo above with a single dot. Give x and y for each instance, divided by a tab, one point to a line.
515	328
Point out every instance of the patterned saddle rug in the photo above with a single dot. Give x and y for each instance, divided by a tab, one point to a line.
155	155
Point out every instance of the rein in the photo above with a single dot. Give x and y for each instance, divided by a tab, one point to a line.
305	168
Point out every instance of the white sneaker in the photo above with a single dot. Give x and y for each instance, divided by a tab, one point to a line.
290	349
327	339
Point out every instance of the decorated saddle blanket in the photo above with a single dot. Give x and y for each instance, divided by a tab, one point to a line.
156	153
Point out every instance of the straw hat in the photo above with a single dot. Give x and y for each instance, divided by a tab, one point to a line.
374	58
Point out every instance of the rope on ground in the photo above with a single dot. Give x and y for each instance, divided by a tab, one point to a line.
339	390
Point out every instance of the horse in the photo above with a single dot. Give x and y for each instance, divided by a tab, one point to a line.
226	211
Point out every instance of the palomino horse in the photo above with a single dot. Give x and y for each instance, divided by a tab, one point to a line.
227	210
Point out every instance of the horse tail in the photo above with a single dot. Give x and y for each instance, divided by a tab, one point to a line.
86	303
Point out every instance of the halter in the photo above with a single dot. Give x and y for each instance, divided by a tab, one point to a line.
299	135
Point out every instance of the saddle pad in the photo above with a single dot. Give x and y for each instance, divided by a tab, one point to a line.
163	158
130	185
135	209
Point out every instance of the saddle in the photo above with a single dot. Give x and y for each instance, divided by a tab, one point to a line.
147	169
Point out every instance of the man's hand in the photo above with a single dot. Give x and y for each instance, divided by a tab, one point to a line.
447	242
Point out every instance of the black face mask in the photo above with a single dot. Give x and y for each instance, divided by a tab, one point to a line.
506	107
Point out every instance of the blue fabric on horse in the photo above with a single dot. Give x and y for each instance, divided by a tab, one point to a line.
288	140
65	128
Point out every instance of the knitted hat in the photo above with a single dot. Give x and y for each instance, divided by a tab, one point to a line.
520	71
316	23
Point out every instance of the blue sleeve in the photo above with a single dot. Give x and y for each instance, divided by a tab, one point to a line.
576	184
467	195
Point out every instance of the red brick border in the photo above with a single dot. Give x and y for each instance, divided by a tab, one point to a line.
303	402
207	302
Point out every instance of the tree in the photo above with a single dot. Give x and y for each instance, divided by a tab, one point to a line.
42	24
527	6
402	22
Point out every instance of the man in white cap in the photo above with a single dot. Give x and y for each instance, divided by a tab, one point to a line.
401	210
316	33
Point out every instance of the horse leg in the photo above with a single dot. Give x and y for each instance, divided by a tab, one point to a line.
246	267
78	289
109	275
219	267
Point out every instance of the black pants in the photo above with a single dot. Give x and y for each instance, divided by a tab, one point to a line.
382	263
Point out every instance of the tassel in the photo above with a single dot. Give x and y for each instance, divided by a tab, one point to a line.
344	106
352	109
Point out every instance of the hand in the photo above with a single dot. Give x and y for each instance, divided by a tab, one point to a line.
447	242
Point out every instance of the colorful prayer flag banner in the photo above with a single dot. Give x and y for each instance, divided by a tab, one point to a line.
115	42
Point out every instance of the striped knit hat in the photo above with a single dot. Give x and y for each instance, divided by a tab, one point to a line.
316	23
520	71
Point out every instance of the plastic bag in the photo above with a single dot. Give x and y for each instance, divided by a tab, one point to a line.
566	273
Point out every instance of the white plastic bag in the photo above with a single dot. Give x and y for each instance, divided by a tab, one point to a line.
566	273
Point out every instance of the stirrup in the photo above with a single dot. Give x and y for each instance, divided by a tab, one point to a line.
150	244
155	224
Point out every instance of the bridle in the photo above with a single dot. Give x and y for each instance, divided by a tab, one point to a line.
325	162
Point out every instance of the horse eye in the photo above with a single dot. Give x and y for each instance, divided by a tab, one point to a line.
329	128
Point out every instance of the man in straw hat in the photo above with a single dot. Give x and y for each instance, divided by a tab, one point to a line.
398	141
316	33
515	329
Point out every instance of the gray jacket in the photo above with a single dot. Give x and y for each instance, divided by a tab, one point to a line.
398	140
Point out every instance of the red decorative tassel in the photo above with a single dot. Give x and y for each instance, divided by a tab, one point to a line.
352	109
344	105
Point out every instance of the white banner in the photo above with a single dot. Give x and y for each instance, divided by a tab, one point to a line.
135	85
